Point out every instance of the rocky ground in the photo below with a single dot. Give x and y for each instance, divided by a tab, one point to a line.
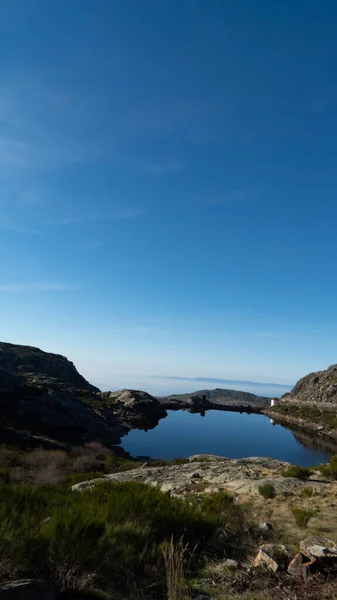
206	474
288	551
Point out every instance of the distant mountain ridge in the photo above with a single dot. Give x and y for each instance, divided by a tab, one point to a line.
213	398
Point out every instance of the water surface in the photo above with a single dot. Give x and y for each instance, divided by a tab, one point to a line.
225	433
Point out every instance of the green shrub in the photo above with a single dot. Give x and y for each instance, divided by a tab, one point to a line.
70	480
333	466
222	509
4	475
299	472
267	490
302	516
168	463
329	469
325	470
117	464
307	492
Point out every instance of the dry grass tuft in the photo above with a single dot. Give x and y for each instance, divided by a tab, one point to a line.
175	555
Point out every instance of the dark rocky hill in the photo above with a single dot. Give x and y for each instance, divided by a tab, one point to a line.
206	399
45	400
26	365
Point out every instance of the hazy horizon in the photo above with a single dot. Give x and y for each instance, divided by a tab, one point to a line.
164	386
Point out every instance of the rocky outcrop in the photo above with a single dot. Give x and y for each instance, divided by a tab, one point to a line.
216	399
211	474
135	407
319	387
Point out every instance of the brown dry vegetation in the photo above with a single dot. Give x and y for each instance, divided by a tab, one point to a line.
51	467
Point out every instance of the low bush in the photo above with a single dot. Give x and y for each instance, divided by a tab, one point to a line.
302	473
267	490
225	513
325	470
70	480
4	475
329	469
307	492
333	467
302	516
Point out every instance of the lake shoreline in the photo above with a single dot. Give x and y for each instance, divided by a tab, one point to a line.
229	433
303	424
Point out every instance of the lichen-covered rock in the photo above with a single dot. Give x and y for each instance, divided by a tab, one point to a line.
240	476
319	548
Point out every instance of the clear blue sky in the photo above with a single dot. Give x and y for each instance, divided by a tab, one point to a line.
168	187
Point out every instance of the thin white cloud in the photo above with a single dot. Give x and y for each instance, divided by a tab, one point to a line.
37	286
150	330
270	334
29	198
157	169
121	215
230	197
93	244
23	230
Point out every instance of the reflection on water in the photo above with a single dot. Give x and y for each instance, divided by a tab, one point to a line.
311	439
227	433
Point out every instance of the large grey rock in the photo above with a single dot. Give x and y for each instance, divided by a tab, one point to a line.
135	407
319	547
28	590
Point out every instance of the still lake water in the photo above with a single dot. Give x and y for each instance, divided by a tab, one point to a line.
225	433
